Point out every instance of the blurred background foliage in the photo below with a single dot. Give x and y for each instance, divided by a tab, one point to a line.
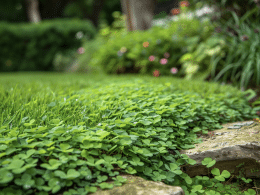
88	35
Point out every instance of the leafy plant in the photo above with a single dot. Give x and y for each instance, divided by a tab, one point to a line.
199	55
240	67
129	50
70	134
63	61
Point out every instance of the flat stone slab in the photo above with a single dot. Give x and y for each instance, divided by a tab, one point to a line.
239	125
229	147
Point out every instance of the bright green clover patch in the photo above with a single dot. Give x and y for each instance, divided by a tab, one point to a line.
105	185
78	137
26	181
119	180
65	148
71	174
5	176
53	164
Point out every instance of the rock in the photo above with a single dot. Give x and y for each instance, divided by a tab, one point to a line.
230	146
138	186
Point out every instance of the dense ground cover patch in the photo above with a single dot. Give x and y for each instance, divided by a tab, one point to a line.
71	133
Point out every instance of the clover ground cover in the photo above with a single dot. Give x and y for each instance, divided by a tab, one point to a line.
69	134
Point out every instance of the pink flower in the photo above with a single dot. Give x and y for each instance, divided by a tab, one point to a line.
166	55
151	58
174	70
81	50
184	3
163	61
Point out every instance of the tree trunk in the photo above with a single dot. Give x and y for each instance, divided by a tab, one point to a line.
32	8
97	8
139	14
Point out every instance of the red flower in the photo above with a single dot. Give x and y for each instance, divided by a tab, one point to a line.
156	73
184	4
175	11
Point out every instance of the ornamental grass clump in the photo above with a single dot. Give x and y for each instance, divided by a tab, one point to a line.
240	64
71	137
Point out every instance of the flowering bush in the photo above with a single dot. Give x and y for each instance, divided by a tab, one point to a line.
151	50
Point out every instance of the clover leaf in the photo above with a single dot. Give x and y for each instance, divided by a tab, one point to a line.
158	176
71	174
5	176
106	185
101	178
3	147
136	161
119	180
26	181
130	170
54	164
91	189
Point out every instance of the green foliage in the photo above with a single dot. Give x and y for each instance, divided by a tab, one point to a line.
36	45
60	132
118	27
84	60
160	15
62	61
198	57
237	10
126	49
12	11
240	65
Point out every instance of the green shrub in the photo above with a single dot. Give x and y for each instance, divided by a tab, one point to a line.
198	58
63	61
127	50
84	59
32	47
240	64
118	26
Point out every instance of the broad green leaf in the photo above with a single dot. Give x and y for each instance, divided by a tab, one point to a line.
42	151
146	152
101	178
130	170
100	161
5	176
145	122
72	174
125	141
3	147
102	133
60	174
15	164
157	119
54	164
90	189
127	120
146	141
64	146
106	186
